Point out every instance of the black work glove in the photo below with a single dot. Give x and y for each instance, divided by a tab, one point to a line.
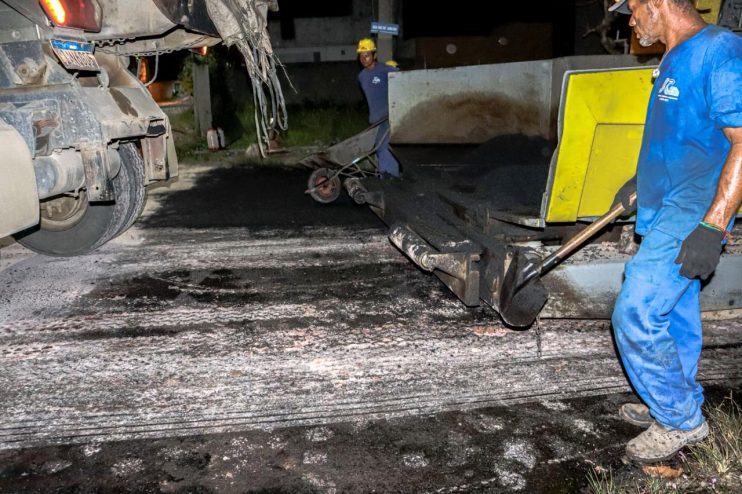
622	196
700	252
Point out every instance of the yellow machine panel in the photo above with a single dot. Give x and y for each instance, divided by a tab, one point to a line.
709	10
607	155
601	123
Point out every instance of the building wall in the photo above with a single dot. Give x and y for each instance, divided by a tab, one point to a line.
315	83
507	43
329	82
323	39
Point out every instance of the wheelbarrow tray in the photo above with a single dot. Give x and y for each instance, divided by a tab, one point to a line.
351	150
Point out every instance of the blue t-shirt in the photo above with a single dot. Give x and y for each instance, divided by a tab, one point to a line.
697	94
375	85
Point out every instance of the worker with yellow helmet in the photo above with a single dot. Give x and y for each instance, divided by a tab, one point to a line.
375	85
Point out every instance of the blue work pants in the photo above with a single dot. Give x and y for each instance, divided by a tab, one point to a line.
657	324
388	164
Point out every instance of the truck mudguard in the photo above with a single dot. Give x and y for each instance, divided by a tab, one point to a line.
19	200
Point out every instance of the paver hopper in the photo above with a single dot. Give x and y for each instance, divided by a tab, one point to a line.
549	144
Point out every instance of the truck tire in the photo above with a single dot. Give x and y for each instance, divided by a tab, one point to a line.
76	226
137	193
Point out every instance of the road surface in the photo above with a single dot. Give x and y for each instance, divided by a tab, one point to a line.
239	326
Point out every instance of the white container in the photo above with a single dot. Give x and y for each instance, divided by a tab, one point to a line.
212	140
222	138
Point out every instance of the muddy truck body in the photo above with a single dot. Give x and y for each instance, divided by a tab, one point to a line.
508	161
81	136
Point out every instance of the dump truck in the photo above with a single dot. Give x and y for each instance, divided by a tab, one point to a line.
81	135
503	164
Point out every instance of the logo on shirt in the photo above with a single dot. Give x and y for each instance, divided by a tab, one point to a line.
375	80
668	91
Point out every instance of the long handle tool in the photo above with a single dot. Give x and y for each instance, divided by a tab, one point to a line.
522	295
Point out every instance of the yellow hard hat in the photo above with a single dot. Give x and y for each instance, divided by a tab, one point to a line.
392	63
366	44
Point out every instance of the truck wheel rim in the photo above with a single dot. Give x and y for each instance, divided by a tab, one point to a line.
64	212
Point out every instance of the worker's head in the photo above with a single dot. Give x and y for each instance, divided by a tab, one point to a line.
366	52
646	21
651	18
392	63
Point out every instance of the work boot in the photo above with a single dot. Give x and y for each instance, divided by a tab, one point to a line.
636	413
659	443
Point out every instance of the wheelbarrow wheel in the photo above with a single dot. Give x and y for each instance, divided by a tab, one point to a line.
324	186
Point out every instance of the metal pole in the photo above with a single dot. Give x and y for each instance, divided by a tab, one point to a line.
201	97
385	44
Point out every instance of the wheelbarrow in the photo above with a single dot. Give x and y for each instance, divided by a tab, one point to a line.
354	157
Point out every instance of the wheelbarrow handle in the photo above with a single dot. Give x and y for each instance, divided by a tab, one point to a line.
573	243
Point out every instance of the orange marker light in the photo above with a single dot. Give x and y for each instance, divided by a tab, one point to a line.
143	75
74	14
55	10
201	50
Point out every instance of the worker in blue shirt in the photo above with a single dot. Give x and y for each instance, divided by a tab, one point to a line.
375	84
689	188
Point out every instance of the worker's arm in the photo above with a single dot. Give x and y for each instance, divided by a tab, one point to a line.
701	250
729	191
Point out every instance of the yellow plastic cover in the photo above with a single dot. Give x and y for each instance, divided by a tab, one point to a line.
601	124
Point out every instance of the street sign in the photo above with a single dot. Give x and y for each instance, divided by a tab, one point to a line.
385	28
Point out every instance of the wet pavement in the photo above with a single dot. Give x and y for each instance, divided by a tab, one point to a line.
242	338
541	447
